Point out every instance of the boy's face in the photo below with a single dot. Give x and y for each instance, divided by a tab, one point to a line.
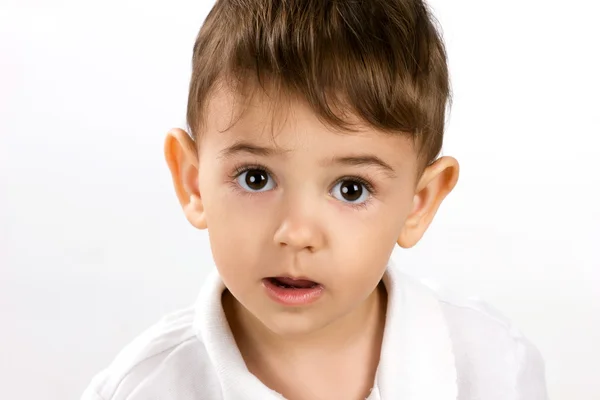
298	199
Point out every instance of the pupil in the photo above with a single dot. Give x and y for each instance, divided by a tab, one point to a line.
351	190
256	179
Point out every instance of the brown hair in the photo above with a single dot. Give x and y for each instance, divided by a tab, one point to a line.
381	60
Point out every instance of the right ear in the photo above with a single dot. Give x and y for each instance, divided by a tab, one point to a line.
182	158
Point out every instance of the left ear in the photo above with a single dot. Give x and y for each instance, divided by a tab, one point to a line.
436	182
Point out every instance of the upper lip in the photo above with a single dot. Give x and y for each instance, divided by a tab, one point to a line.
296	278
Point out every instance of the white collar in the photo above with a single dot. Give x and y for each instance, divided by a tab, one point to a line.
417	361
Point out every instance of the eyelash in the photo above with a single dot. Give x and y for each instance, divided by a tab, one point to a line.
241	168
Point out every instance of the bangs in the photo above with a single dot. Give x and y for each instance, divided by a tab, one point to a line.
376	61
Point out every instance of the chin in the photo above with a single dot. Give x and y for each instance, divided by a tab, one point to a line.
291	325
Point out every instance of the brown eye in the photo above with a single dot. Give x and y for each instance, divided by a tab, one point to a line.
255	180
350	191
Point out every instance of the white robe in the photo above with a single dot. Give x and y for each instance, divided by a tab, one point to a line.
435	347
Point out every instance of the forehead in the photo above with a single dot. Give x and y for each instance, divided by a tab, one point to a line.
289	124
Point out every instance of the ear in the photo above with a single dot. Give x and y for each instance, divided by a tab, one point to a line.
182	158
434	185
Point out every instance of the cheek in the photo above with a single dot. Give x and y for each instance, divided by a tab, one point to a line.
363	241
368	230
238	231
361	255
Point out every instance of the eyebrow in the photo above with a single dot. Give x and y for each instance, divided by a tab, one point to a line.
245	147
367	160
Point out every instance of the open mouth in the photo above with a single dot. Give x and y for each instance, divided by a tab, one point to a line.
290	283
293	292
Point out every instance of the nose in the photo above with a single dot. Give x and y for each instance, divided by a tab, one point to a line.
300	230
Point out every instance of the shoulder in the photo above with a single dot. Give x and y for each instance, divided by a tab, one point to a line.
493	357
168	342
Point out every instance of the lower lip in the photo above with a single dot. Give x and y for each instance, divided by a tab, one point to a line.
292	297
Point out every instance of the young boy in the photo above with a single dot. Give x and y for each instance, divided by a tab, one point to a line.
315	128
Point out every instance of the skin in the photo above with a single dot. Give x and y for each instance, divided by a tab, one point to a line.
301	224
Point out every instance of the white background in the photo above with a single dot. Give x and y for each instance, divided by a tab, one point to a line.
93	246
